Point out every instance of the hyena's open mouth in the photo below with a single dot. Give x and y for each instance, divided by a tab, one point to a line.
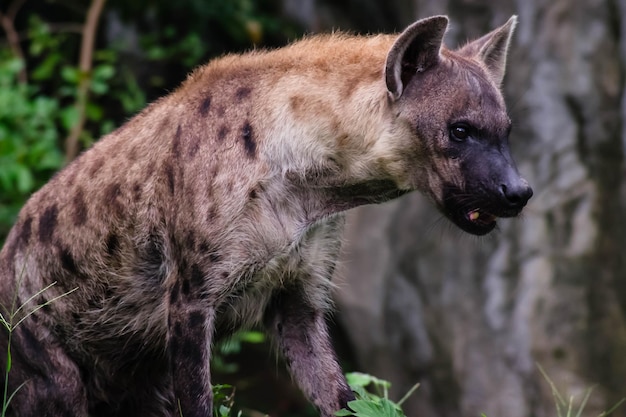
478	216
476	221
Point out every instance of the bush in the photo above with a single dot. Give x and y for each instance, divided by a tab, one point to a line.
29	137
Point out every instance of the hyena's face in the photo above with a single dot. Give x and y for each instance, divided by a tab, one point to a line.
459	124
468	169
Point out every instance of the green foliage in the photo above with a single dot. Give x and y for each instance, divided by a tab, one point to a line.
231	346
29	135
37	115
224	394
369	404
223	400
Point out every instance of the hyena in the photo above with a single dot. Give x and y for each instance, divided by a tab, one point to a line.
219	207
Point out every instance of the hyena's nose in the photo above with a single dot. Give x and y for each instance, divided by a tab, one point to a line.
517	194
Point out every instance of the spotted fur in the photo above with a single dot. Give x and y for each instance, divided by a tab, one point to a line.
219	207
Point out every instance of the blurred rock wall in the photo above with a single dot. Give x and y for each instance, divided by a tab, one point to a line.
471	318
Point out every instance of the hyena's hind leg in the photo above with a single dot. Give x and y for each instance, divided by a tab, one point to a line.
47	381
300	332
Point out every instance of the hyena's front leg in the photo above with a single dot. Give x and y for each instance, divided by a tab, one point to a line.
301	333
190	332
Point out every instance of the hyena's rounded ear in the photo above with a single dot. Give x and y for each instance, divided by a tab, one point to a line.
415	50
492	49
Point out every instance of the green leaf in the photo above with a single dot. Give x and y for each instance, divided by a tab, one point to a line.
103	72
12	66
359	379
5	180
156	53
107	127
99	87
360	391
69	117
53	159
45	70
230	346
390	409
24	179
94	112
365	408
70	74
44	107
252	337
224	411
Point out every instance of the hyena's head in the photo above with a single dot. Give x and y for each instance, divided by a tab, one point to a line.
449	104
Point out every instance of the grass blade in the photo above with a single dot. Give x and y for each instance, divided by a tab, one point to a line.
584	402
557	396
5	323
409	393
8	401
40	306
606	413
32	297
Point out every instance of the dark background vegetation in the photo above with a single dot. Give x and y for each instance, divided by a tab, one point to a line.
468	318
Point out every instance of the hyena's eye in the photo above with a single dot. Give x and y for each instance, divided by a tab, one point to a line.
459	132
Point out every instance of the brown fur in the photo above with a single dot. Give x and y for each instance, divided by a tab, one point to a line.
219	207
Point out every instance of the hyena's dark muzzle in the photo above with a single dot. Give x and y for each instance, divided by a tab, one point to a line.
492	188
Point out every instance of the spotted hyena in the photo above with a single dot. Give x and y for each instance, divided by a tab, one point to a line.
219	207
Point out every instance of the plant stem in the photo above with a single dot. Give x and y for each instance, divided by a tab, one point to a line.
409	393
84	66
7	21
5	402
